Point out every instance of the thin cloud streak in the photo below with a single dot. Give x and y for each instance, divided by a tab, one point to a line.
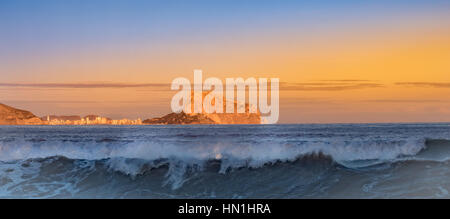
406	101
347	80
83	85
328	86
312	86
425	84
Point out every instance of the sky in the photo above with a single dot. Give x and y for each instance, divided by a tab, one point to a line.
337	61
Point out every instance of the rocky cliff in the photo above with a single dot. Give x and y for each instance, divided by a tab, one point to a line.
179	119
13	116
210	118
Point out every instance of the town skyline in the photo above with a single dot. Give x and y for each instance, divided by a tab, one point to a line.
88	120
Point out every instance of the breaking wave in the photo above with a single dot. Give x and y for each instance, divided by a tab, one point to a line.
229	155
114	167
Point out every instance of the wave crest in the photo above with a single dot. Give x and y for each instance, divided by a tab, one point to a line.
173	167
253	155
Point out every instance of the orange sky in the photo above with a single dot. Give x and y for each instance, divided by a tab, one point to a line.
390	69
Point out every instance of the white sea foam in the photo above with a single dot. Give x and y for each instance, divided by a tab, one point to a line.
185	152
254	155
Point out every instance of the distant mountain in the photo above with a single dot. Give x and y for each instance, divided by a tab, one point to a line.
179	119
210	118
13	116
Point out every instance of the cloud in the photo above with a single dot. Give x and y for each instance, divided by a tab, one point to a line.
425	84
406	101
331	85
84	85
69	101
328	86
347	80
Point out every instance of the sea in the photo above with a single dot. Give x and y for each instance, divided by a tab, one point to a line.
226	161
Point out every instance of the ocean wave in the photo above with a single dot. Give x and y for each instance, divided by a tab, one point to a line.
170	168
253	154
222	161
354	154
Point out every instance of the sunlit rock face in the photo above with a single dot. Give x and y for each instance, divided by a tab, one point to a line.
13	116
228	118
210	118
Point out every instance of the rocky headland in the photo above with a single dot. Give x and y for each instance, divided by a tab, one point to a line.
13	116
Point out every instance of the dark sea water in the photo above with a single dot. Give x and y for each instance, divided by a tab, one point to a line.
219	161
